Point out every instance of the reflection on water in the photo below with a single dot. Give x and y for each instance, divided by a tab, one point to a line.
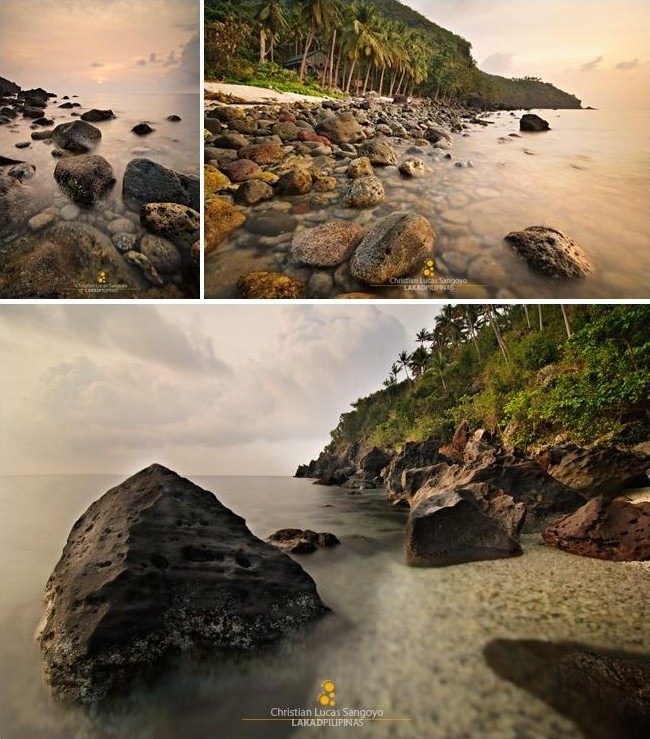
589	177
408	641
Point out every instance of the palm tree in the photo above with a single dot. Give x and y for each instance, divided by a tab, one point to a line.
273	21
438	362
539	311
316	15
423	336
403	363
492	316
418	361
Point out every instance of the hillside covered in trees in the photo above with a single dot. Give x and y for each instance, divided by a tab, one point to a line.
380	45
527	373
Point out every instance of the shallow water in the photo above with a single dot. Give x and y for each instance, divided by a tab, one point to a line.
172	144
407	641
589	177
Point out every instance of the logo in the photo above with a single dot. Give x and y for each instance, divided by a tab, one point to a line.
101	277
328	696
429	268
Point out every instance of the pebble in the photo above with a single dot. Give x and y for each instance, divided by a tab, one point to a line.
69	212
121	225
320	284
40	221
124	242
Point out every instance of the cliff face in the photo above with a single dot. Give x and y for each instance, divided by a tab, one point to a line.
350	465
8	88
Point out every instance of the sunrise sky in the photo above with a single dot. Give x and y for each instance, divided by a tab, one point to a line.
204	390
599	51
82	46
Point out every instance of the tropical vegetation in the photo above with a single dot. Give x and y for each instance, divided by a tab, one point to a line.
530	373
379	45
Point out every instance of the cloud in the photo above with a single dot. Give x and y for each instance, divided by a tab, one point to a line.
628	65
185	73
96	64
153	58
590	66
171	60
498	63
141	62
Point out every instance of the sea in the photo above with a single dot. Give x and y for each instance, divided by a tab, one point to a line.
589	176
416	646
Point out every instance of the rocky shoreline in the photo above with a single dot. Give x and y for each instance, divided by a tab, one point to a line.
76	232
471	498
325	199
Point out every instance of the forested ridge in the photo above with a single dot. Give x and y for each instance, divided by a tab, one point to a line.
529	373
379	45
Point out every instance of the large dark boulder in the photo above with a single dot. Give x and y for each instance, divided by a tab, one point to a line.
342	128
158	566
532	122
85	178
616	530
454	526
413	454
146	181
7	87
604	469
95	115
77	136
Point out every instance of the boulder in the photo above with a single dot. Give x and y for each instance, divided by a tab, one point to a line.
412	167
286	130
146	181
178	223
230	140
271	223
221	219
261	153
326	245
96	115
532	122
299	541
156	567
414	454
451	527
240	170
252	192
342	128
85	178
142	129
396	246
364	192
379	151
22	172
77	136
214	180
617	530
161	253
603	469
297	181
269	285
550	251
360	167
173	118
29	112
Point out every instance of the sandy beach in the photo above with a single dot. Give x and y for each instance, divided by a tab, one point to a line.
258	95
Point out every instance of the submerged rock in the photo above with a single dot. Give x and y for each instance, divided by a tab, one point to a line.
364	192
178	223
299	541
551	251
158	566
269	285
85	179
142	129
221	219
616	530
77	136
451	527
326	245
379	152
397	245
412	167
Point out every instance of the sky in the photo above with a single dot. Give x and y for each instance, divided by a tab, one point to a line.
227	389
82	46
598	51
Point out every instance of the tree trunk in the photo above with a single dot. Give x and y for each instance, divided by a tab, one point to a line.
365	82
262	45
541	322
381	81
338	65
497	332
401	79
303	64
272	47
472	333
347	87
331	58
569	333
525	309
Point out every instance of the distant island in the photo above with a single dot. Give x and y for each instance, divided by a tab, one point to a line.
379	45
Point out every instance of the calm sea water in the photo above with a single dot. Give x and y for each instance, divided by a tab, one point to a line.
407	641
589	177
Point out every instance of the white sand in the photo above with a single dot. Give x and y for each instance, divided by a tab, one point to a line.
258	94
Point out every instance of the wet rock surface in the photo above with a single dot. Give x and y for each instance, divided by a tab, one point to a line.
85	179
550	251
302	541
156	567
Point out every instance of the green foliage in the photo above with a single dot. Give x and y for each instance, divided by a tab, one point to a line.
595	384
275	77
524	92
